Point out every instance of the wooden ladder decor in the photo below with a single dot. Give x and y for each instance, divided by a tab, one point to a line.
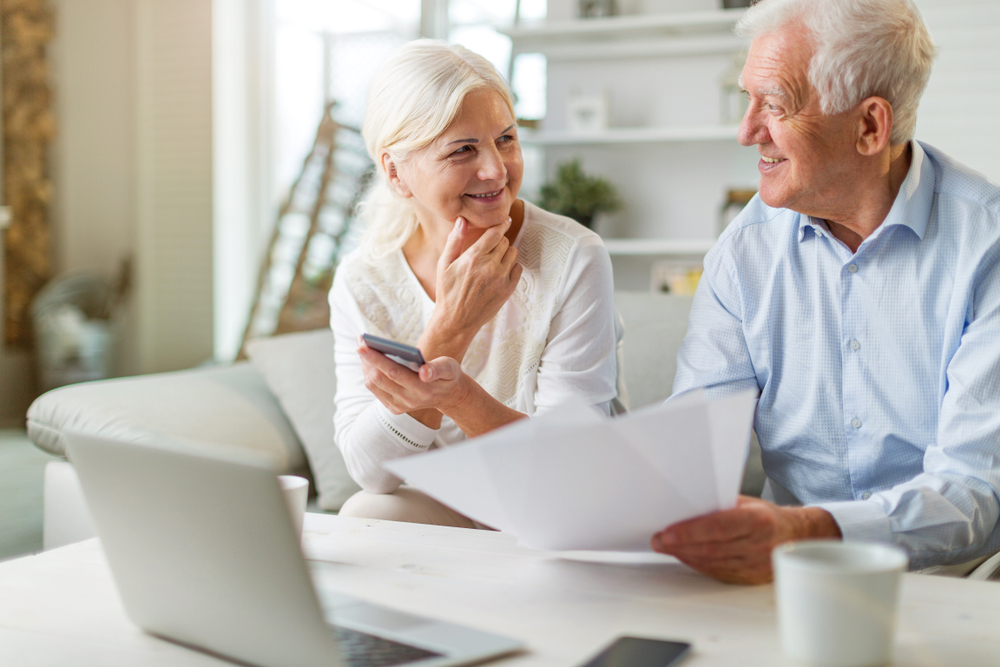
316	225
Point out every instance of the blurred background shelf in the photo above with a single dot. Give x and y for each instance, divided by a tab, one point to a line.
624	27
631	135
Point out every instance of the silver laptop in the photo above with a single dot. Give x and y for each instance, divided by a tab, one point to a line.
203	551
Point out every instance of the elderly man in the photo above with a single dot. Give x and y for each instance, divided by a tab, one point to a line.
859	295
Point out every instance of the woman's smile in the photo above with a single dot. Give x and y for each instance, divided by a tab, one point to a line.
488	197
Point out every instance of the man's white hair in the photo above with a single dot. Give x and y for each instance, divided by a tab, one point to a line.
861	48
414	97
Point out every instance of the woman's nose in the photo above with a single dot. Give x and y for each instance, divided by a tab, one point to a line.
491	167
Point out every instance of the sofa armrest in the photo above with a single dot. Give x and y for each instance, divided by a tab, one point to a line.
229	405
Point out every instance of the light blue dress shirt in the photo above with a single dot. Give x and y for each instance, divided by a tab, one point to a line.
878	371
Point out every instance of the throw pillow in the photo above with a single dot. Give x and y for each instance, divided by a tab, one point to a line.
298	368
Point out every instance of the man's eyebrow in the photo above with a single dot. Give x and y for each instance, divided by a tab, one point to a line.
776	91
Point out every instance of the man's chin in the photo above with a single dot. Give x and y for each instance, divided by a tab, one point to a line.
773	198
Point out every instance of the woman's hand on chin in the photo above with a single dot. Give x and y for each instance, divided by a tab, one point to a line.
471	288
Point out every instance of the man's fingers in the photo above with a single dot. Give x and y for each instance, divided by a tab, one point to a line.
745	549
735	571
722	526
453	246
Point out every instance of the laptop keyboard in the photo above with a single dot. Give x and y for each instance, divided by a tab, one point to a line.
360	649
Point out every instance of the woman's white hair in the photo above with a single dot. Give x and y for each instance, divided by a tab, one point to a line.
414	97
862	48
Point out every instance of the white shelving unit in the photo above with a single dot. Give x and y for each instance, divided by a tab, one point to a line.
618	27
666	147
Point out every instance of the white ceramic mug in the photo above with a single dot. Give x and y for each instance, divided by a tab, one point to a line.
837	601
296	494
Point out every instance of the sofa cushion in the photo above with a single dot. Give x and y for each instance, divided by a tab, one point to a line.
655	325
299	370
229	405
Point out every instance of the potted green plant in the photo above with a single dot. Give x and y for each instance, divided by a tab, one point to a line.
577	195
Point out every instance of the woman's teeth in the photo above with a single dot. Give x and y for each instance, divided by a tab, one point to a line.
487	195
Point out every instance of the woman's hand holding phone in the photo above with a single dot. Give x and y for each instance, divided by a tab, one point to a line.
431	386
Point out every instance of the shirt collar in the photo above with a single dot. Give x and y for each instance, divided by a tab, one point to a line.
912	205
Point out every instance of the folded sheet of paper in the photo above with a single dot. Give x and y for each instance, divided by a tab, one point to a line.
575	480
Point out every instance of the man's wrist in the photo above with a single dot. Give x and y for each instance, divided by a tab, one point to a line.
818	523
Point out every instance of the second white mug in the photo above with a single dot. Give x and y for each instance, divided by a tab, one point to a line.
837	601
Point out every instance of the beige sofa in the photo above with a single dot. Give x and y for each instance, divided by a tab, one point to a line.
281	402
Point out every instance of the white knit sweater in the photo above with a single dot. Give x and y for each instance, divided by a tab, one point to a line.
554	340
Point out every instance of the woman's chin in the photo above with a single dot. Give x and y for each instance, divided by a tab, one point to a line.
487	221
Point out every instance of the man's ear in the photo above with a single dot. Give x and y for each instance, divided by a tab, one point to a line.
392	174
874	125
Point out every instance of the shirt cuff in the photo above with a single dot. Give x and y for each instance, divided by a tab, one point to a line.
860	520
405	428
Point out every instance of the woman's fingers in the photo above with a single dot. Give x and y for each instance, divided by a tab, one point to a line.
401	390
490	238
509	259
453	246
515	275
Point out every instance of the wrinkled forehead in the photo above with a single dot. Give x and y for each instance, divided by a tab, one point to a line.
778	65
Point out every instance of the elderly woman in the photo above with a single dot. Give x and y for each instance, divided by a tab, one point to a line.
511	305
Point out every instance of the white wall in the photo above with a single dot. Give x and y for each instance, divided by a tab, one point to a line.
174	183
960	108
159	150
93	157
244	203
132	165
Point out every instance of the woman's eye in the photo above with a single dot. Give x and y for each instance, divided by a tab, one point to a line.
504	139
463	149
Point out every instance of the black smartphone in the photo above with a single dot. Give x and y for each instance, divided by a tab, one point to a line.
407	355
639	652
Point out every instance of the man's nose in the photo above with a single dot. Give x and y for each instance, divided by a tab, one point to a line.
752	129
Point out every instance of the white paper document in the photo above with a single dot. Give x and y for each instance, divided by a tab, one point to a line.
575	480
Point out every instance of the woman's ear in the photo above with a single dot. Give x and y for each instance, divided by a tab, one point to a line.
392	174
875	125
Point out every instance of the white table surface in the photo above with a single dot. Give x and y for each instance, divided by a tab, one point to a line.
61	608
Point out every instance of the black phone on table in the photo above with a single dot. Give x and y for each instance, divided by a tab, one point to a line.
401	353
639	652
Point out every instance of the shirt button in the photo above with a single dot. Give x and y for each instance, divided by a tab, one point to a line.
866	495
856	423
855	345
853	268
